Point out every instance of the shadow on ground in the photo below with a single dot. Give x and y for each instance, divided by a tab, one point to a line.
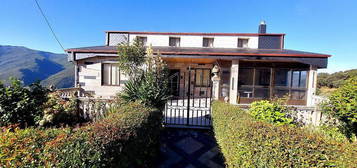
181	148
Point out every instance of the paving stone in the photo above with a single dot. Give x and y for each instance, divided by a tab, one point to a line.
189	148
189	145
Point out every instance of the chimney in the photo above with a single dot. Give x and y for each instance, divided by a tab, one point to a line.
262	27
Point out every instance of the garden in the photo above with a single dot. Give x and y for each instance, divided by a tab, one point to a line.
39	128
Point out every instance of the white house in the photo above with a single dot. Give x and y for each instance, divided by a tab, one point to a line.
253	66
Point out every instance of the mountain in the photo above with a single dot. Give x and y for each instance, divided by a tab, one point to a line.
31	65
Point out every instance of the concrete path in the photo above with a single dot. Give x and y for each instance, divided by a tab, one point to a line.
187	148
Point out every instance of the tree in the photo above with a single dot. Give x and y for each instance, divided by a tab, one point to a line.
149	78
131	57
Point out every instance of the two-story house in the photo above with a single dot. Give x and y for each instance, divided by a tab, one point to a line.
253	66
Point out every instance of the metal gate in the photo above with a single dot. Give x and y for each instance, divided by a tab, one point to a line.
190	105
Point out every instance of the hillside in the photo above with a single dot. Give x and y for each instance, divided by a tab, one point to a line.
31	65
335	80
328	83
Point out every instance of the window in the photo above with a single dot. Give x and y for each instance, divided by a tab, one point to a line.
202	78
245	82
290	81
282	77
207	42
174	41
110	74
142	40
243	43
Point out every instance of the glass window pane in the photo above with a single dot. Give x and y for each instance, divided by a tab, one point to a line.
295	79
303	76
115	75
261	93
298	94
245	76
106	74
282	77
246	92
262	77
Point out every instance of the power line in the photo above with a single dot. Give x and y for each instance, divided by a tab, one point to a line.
48	24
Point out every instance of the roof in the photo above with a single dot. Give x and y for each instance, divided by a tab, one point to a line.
199	34
208	51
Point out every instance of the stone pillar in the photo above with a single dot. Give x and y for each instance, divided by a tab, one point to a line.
311	86
215	90
233	93
216	79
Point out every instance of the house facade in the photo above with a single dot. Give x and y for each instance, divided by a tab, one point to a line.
247	66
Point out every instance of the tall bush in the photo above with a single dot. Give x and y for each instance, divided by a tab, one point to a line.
342	104
21	105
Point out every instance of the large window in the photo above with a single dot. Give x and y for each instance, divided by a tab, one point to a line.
110	74
290	83
265	83
174	41
202	78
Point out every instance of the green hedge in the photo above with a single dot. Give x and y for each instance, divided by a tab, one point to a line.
126	138
245	142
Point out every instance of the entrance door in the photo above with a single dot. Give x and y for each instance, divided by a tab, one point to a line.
191	100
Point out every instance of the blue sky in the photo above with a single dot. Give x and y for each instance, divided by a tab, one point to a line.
325	26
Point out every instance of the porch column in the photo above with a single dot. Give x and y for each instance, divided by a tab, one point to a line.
233	94
215	89
311	86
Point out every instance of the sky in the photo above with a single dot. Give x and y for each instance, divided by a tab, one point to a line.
322	26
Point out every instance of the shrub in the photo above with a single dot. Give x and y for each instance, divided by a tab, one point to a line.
20	105
342	104
272	112
245	142
125	138
59	111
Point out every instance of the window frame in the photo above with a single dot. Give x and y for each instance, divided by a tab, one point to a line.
208	42
179	41
110	76
139	38
247	39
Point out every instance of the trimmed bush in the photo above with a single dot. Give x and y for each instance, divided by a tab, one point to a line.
125	138
245	142
272	112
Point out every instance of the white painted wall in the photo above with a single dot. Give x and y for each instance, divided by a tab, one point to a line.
188	40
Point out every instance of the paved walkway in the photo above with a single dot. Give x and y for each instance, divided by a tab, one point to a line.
187	148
